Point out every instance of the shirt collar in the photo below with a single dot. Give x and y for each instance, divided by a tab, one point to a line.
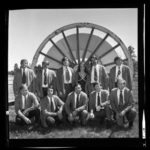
121	90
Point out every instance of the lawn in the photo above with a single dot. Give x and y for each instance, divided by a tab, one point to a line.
67	131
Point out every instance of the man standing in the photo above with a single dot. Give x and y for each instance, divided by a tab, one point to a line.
45	79
24	75
26	107
97	73
119	71
51	109
65	77
99	104
76	106
122	104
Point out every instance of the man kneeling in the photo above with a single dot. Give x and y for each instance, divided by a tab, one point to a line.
98	104
26	107
76	106
122	103
51	109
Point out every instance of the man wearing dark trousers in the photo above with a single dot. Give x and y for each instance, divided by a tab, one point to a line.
122	104
99	108
51	109
26	107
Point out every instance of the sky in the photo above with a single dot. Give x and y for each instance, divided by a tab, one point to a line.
29	27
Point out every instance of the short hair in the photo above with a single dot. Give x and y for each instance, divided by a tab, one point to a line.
97	83
64	58
94	57
77	84
23	86
22	60
45	62
121	80
117	58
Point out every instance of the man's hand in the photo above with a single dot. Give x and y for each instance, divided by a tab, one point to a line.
27	120
70	117
122	113
91	115
74	113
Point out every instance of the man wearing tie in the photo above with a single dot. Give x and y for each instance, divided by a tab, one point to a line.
26	107
122	104
76	106
51	109
99	108
65	79
97	73
119	71
45	79
24	75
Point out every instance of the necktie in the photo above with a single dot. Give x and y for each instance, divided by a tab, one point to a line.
119	71
51	104
98	100
77	102
67	74
95	74
121	99
45	77
23	77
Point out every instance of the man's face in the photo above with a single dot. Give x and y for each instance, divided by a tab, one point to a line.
66	62
94	61
121	85
98	87
24	91
78	89
118	62
24	64
50	92
44	65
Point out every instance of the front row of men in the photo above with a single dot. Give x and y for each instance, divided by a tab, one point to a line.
117	106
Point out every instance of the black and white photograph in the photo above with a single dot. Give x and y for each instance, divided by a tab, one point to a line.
73	74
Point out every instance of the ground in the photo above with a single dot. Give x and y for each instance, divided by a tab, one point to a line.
67	131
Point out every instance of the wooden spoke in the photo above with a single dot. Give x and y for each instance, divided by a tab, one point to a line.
78	51
67	43
51	58
109	51
60	51
97	47
87	45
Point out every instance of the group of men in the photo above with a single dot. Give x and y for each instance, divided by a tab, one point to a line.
51	97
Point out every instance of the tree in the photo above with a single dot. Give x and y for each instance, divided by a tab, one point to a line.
134	59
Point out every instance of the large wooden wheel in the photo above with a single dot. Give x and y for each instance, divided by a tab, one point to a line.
79	42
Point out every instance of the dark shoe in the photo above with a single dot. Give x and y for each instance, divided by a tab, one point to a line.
130	124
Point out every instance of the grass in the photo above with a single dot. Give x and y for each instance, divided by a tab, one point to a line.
66	131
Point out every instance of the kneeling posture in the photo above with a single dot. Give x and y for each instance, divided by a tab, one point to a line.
51	109
99	104
122	104
76	105
26	107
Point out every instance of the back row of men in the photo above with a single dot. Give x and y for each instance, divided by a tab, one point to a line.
64	79
70	95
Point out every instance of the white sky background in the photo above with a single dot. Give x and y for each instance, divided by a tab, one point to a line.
29	27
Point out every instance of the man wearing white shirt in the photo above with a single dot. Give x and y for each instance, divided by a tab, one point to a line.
119	71
76	106
122	104
24	75
45	79
65	79
26	107
97	73
99	104
51	109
